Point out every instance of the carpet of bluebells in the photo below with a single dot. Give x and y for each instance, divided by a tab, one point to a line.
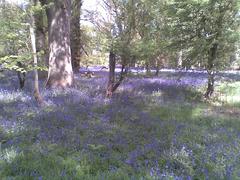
152	128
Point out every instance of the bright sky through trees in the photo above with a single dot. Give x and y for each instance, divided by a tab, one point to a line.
87	4
18	2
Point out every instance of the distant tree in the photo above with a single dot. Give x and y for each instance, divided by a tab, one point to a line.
94	46
150	40
119	28
206	30
76	45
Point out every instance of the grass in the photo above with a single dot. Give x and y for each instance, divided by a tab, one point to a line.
131	136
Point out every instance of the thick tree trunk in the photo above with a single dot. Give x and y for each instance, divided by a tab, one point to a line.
76	34
60	74
111	77
37	95
212	55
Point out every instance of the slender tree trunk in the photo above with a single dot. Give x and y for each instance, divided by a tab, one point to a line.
121	78
157	71
41	37
210	87
147	67
111	77
212	55
76	34
112	85
180	59
37	95
157	66
21	76
60	74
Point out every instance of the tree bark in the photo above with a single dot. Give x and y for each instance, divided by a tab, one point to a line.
147	68
212	55
21	76
60	74
112	85
122	75
180	59
111	77
76	34
41	36
157	61
37	95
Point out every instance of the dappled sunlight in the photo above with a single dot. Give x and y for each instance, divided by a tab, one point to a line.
8	155
14	96
227	93
124	90
145	127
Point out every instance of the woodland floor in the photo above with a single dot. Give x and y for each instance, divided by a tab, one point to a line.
152	128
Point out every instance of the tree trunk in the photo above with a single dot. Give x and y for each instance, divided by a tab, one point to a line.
210	87
147	68
37	95
112	86
157	66
41	37
122	75
21	76
60	74
180	59
111	77
212	55
76	34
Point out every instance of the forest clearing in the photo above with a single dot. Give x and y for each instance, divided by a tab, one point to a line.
119	89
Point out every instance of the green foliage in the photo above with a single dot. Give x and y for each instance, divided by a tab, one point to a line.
95	46
14	37
16	53
144	31
196	25
228	93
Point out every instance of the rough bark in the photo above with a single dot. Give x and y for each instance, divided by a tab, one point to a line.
76	34
112	85
60	74
111	77
212	55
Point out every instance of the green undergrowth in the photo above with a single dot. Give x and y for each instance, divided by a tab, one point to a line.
194	139
50	161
